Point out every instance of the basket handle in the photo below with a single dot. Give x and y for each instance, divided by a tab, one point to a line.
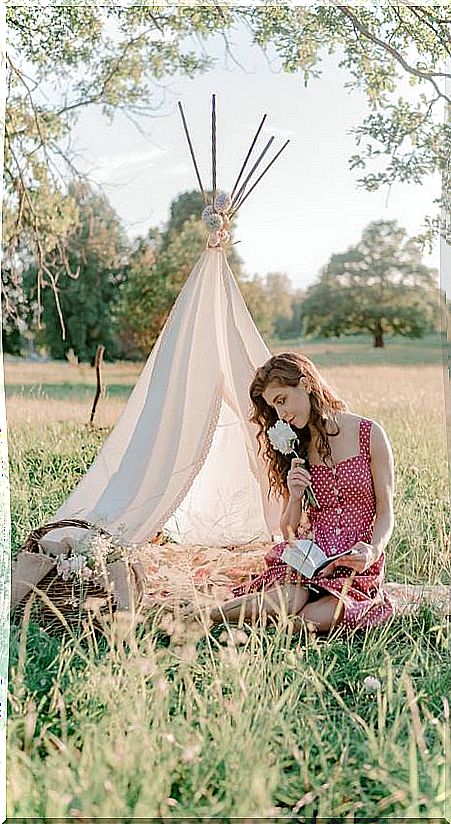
34	537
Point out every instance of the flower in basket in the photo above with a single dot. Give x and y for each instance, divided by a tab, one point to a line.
67	565
93	554
285	440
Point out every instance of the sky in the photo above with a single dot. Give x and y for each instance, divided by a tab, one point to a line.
306	208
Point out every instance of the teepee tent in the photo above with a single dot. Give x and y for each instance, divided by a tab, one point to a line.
182	457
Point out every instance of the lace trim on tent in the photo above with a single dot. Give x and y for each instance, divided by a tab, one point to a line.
255	472
199	463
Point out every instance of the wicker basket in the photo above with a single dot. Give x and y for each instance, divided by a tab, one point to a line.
122	587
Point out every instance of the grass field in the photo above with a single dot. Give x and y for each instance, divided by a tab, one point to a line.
261	724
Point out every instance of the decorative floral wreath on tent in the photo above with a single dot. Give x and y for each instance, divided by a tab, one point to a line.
218	214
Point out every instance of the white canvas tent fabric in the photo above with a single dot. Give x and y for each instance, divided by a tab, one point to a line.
183	454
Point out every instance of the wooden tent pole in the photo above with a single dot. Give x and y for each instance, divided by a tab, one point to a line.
192	152
254	167
248	155
238	206
98	365
213	145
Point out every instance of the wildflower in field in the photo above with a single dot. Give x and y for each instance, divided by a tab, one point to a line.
230	656
233	637
371	684
186	653
162	686
169	737
146	667
191	754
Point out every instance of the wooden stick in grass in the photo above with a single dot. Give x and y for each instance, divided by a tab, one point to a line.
97	364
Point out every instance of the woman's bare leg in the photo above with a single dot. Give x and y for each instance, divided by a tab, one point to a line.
324	614
289	597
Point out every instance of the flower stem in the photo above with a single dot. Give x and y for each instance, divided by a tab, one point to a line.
309	493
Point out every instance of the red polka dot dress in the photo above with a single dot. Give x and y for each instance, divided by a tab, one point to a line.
345	494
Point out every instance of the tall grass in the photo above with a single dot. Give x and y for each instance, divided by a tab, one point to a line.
256	724
164	719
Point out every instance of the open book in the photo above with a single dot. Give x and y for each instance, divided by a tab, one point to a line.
308	558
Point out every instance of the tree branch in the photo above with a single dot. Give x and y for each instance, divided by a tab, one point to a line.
395	53
418	11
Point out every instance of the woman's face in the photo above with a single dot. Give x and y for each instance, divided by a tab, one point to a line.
292	403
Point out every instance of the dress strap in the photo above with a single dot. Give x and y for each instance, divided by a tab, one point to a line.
364	437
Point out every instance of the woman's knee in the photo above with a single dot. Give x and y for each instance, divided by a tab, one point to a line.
324	613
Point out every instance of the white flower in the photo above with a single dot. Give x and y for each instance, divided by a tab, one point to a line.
282	437
213	222
63	567
191	754
67	566
169	738
100	547
223	202
77	562
371	684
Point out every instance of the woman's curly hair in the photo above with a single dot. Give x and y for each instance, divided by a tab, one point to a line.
287	369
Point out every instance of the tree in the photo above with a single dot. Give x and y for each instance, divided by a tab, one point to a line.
105	56
378	286
157	270
378	45
279	290
291	327
96	253
259	304
184	207
110	57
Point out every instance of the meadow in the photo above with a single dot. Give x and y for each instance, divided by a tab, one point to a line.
174	721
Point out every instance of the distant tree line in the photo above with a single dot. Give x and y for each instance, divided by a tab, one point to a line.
66	236
119	293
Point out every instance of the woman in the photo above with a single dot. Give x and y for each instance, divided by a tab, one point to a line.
351	472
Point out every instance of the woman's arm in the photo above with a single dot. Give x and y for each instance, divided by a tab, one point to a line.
291	516
382	470
298	479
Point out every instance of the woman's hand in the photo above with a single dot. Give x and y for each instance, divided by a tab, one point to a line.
298	479
362	557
